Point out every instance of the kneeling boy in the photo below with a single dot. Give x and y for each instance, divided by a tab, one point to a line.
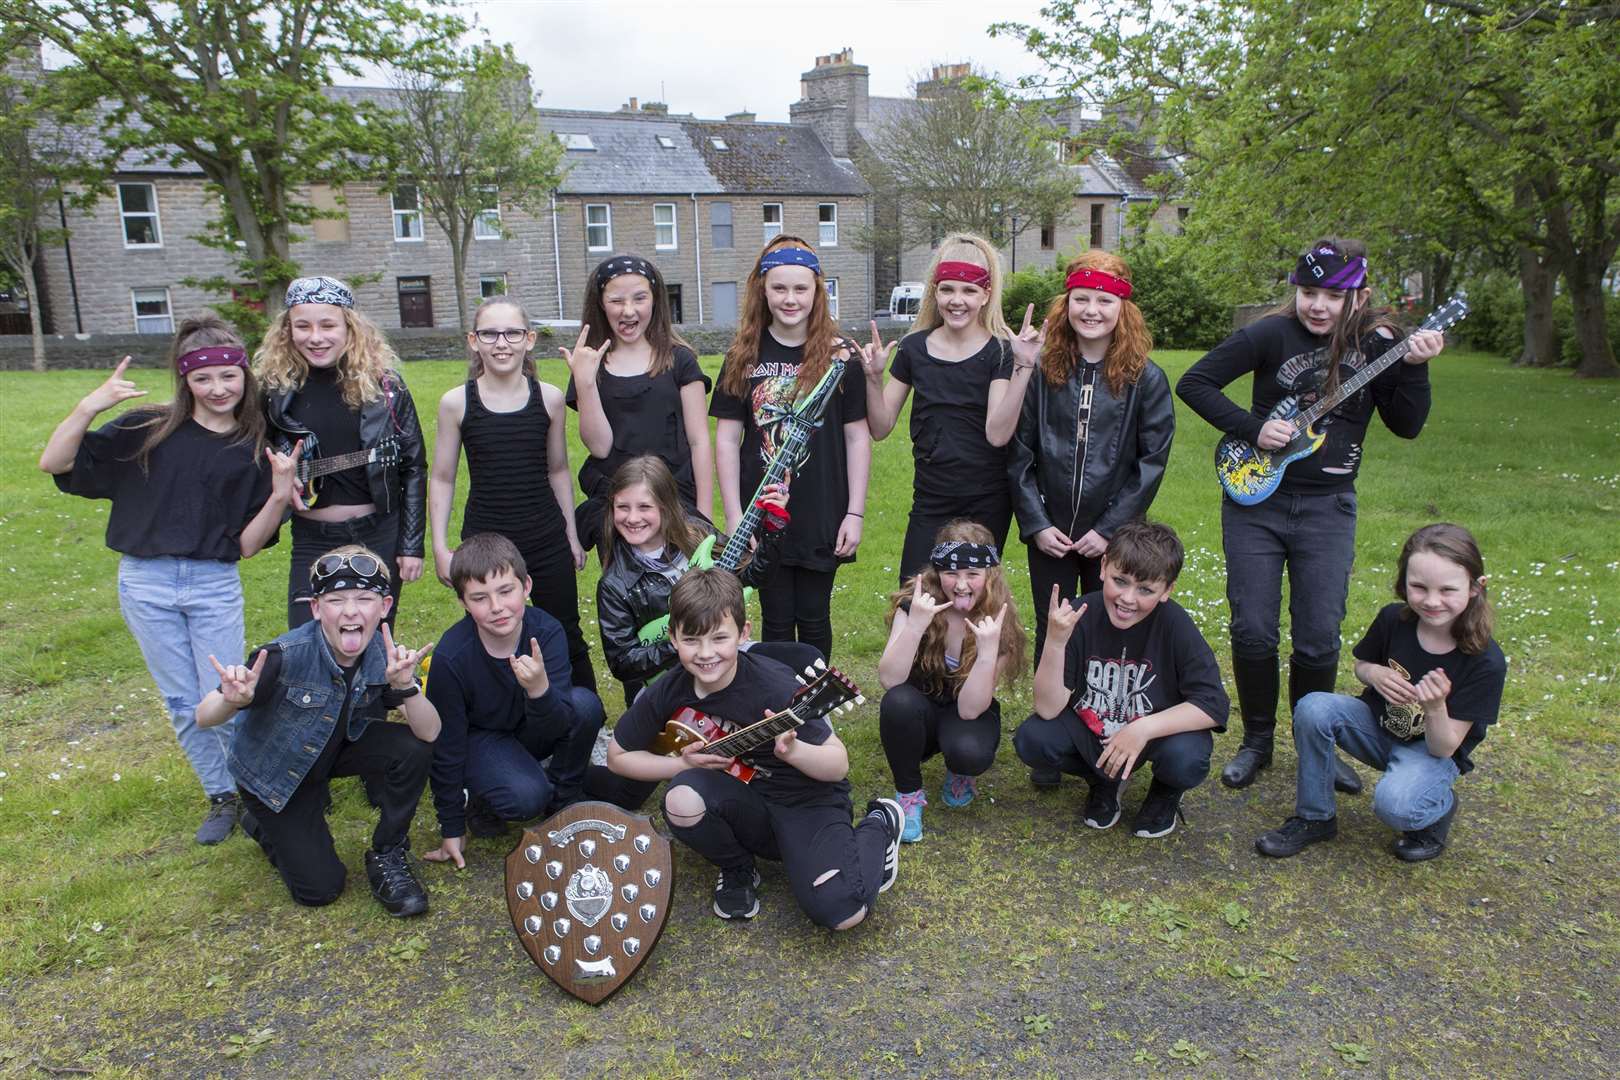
1127	678
797	809
500	680
313	704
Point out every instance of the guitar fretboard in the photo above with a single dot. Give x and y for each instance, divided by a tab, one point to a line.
323	466
754	736
1445	318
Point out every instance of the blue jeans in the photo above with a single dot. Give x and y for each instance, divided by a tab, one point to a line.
1315	536
1413	793
504	768
181	611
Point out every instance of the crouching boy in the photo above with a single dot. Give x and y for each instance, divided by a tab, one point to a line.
796	809
1126	678
517	732
313	705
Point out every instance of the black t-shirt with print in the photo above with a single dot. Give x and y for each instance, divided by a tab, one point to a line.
818	497
1285	358
1476	681
953	460
1120	675
760	685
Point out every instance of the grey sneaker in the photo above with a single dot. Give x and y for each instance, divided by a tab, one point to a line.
223	811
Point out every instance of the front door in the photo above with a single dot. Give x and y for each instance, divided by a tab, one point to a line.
415	302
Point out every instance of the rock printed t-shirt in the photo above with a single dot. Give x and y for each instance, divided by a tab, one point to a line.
953	459
760	685
1476	681
1117	676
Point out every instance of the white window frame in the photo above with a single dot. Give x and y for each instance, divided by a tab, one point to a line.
665	141
718	143
826	238
487	225
484	279
607	223
576	140
168	310
832	297
124	216
767	224
660	227
404	216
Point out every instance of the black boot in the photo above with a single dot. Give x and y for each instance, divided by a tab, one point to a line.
1257	686
1309	679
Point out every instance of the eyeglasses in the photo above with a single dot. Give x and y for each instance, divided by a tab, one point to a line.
490	337
332	565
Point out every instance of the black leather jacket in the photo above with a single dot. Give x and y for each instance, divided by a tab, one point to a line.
629	597
1119	468
401	487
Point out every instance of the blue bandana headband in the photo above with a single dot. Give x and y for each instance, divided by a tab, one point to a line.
609	269
961	555
789	256
319	290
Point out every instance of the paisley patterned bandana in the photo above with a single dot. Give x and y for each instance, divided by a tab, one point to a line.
961	555
609	269
319	290
789	256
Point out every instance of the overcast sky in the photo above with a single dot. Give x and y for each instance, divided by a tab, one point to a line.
712	57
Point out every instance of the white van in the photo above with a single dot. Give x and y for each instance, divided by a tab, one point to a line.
904	301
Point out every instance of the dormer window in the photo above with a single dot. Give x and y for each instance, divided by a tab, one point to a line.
576	140
718	143
665	141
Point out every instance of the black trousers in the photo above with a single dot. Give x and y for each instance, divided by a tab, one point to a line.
1180	761
553	589
928	517
392	762
1074	575
814	843
914	728
797	606
312	539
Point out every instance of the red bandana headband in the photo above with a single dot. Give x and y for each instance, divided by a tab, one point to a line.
212	356
972	273
1097	279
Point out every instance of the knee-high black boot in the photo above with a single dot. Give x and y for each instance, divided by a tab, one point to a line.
1307	679
1257	686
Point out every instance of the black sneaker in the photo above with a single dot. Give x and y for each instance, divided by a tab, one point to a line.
483	822
1157	816
894	820
1102	805
1043	776
1295	836
735	895
1426	843
393	883
223	811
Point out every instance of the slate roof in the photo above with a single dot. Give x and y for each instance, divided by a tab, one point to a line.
628	159
782	159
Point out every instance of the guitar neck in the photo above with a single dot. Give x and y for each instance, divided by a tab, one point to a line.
323	466
754	736
1324	405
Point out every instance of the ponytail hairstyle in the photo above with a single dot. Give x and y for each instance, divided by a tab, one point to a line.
1129	347
201	332
475	362
679	530
1357	320
822	341
660	332
964	247
934	678
1455	544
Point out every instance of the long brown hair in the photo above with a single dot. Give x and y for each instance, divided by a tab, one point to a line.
1455	544
935	679
660	332
1128	348
677	528
1357	319
201	332
821	342
475	362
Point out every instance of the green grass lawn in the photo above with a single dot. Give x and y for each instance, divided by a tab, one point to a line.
1016	941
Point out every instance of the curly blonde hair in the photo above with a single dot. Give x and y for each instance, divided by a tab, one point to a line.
932	676
1129	347
366	359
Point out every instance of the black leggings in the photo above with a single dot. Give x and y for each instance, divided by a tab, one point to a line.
926	520
914	728
1074	575
797	606
311	539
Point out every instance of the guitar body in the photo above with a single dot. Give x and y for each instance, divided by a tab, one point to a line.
1249	474
689	726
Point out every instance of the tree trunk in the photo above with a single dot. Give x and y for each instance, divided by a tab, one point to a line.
35	327
458	266
1540	335
1585	280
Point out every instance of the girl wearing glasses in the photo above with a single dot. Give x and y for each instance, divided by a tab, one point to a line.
516	436
638	391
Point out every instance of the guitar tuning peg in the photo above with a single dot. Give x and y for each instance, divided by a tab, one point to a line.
821	665
801	681
860	699
810	671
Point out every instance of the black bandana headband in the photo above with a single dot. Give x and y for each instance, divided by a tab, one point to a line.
609	269
335	572
961	555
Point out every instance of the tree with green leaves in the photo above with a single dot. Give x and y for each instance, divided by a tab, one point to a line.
467	146
239	88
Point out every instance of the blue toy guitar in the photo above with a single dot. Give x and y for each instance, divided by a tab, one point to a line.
1249	474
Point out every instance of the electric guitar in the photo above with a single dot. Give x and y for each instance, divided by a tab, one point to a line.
1249	474
311	468
829	692
798	424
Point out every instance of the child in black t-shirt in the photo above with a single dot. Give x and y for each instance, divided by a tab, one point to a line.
1126	678
796	809
1434	679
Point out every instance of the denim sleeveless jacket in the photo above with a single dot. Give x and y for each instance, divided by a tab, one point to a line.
275	743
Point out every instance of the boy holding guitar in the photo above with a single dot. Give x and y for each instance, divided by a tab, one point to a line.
1319	338
796	807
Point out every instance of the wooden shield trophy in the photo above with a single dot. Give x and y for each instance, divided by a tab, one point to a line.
589	891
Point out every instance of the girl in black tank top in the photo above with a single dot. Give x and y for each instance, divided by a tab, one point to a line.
514	431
